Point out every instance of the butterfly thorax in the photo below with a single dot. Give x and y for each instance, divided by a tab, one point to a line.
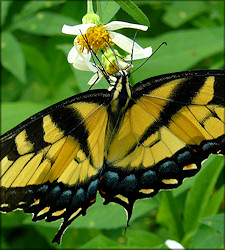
121	93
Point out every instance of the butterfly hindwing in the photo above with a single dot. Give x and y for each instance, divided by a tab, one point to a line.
174	123
51	163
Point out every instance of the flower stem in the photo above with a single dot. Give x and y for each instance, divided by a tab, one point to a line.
89	6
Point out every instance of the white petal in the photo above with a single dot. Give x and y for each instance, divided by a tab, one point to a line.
82	62
95	79
81	65
77	29
123	64
115	25
75	55
110	88
72	55
84	65
113	79
124	42
144	53
172	244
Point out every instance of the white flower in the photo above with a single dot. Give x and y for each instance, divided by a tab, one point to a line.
98	38
172	244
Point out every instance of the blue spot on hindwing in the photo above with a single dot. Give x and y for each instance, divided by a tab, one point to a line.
92	189
110	180
149	179
128	184
184	158
43	189
78	198
168	169
53	194
209	146
64	198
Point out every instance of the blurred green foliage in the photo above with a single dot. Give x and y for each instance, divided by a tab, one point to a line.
35	74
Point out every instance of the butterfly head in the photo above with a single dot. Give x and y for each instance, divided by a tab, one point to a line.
122	75
120	79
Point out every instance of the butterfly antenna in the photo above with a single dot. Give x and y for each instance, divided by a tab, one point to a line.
149	56
132	51
94	81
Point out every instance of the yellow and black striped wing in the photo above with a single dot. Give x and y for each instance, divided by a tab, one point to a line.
51	163
172	124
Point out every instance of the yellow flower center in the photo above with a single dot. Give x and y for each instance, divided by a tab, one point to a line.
97	38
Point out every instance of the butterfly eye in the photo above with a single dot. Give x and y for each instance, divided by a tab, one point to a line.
118	75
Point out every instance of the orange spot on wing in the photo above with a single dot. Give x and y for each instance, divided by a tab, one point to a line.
102	192
92	201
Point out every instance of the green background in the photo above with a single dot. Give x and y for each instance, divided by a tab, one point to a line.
35	74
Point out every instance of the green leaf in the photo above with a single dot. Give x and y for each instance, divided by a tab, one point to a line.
12	56
184	187
15	113
111	216
179	54
108	217
219	64
99	242
132	9
143	239
142	207
45	23
40	64
4	244
74	238
201	191
108	10
4	10
214	203
207	238
178	13
218	11
169	216
34	6
14	219
217	222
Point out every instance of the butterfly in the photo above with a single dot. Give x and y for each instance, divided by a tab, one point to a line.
126	143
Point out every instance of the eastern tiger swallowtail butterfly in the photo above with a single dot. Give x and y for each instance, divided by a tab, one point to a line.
127	143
